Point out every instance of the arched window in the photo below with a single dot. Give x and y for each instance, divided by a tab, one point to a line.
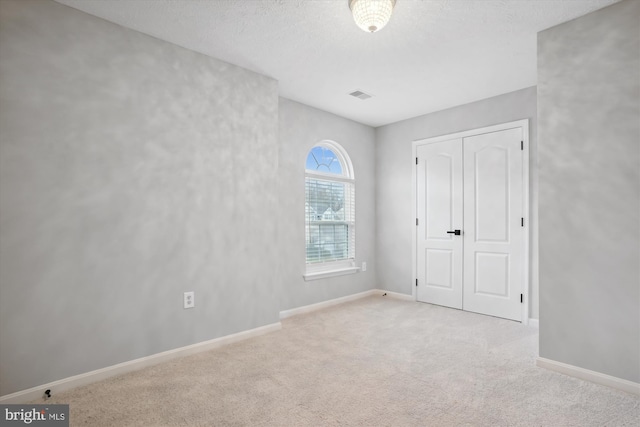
330	217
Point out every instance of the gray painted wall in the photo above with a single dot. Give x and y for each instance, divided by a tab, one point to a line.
394	165
589	133
131	170
301	127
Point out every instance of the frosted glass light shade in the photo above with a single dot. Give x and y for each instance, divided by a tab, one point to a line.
371	15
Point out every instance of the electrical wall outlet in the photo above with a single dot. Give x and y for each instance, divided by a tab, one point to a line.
189	299
364	266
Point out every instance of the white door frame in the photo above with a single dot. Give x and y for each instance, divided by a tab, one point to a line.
524	124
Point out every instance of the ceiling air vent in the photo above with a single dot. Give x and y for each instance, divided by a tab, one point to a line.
360	95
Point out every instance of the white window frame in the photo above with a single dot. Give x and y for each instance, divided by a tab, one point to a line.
320	270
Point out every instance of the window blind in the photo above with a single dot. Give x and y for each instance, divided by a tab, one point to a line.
329	220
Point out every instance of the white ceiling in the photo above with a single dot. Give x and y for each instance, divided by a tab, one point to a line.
433	54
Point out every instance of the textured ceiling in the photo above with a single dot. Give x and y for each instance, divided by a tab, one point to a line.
434	54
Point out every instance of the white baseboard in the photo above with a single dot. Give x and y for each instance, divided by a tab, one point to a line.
592	376
394	295
324	304
534	322
58	386
35	393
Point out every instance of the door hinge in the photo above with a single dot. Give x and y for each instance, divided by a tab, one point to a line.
521	298
416	160
522	222
416	221
522	145
416	282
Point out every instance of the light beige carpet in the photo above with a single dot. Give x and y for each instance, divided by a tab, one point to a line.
372	362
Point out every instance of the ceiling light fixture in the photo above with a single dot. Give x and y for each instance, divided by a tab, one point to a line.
371	15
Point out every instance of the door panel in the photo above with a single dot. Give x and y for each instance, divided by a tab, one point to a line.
439	268
491	208
492	274
493	237
439	205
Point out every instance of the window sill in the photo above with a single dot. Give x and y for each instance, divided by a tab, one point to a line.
330	273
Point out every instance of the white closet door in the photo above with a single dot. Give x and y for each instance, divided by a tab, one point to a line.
439	210
493	231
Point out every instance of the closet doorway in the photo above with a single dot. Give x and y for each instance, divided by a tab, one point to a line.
471	232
